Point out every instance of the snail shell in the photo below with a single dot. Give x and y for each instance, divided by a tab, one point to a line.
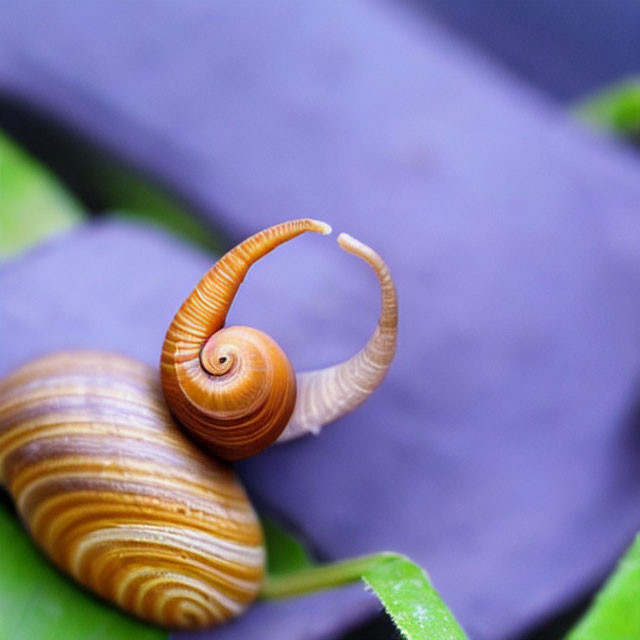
234	388
116	496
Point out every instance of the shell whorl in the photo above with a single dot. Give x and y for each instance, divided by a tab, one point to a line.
238	411
234	388
116	496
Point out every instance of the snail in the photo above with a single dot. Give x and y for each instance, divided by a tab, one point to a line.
234	388
116	471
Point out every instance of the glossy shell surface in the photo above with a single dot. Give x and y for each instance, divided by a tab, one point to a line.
233	387
118	497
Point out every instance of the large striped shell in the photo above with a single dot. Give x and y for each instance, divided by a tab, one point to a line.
118	497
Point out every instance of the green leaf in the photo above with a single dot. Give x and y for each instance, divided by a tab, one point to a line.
402	587
284	552
615	612
414	605
37	601
615	109
33	205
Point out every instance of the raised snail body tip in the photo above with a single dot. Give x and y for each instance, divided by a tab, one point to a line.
347	241
351	245
323	228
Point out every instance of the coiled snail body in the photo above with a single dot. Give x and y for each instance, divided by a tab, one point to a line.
116	494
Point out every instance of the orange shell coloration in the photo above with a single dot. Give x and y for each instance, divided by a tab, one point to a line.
233	388
118	498
253	395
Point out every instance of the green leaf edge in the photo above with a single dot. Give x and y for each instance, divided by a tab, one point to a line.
615	611
33	204
615	108
285	553
411	601
402	587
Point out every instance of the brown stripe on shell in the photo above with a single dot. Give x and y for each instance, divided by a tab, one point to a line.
118	497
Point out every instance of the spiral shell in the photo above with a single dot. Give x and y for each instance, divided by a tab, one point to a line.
116	496
233	389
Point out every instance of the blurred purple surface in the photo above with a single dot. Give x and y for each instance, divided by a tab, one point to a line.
502	451
568	49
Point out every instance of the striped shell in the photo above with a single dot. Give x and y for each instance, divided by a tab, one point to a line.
115	494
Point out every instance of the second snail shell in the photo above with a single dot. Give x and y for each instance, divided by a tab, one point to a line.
117	495
112	491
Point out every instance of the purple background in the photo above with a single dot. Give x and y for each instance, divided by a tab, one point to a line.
502	451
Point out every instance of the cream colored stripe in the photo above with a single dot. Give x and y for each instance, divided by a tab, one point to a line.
65	432
201	501
215	485
147	402
200	544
